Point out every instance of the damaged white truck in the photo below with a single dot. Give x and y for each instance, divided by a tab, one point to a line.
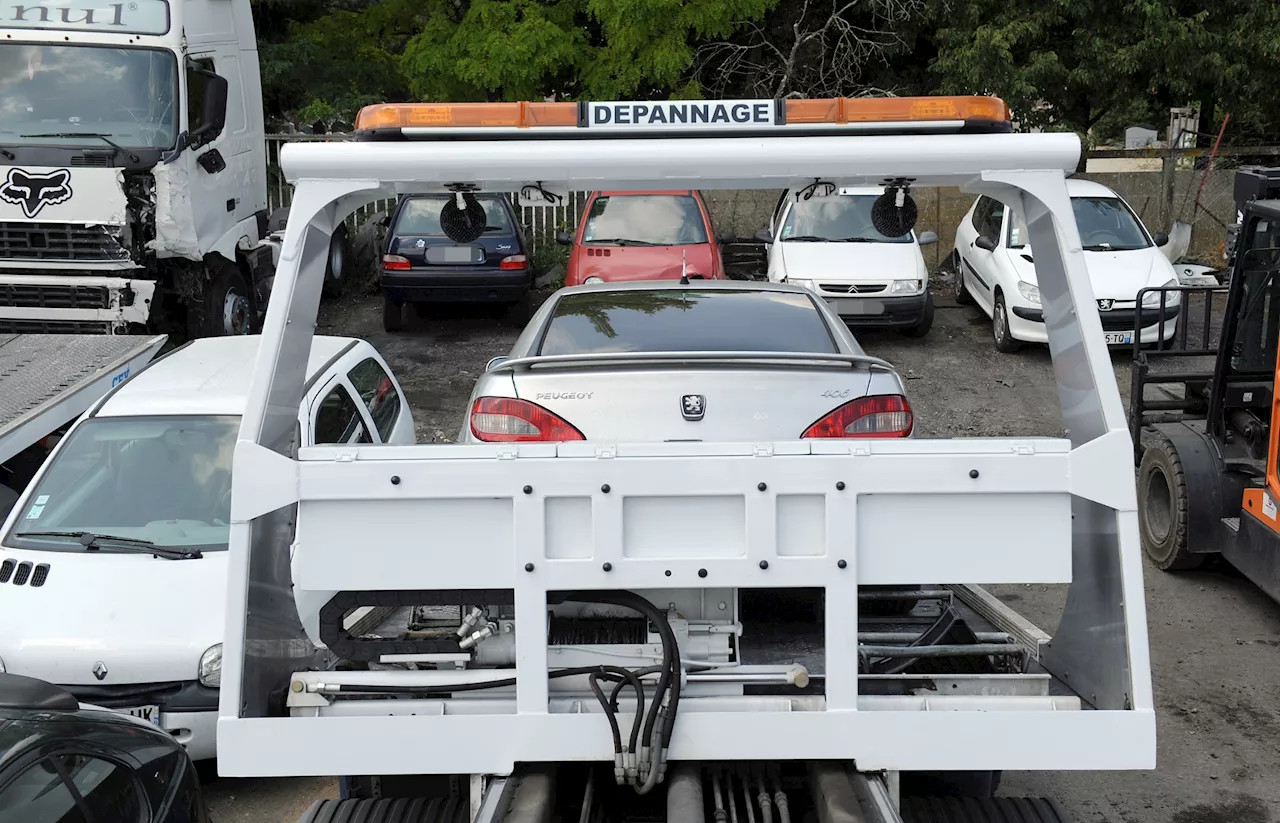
133	192
585	631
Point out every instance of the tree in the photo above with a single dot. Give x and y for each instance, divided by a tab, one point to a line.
814	49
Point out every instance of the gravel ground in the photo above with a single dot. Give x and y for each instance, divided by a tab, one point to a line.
1215	639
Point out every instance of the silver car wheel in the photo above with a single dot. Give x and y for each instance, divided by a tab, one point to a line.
235	313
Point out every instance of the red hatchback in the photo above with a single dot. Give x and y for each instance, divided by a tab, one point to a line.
643	235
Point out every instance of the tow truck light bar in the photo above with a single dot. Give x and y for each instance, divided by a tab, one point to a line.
686	117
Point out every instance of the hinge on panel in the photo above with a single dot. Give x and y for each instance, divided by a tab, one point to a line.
508	452
345	457
606	452
763	451
861	451
1024	448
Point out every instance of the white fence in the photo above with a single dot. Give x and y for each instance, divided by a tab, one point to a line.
540	225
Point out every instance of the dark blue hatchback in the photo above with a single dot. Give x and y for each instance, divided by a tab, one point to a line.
421	265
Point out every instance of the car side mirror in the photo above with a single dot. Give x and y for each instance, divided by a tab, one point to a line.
764	236
564	238
496	361
212	91
928	238
1161	238
985	243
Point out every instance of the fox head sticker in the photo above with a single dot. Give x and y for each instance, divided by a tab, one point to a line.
33	191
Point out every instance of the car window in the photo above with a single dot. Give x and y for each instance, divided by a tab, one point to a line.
991	223
39	795
108	789
645	220
338	419
686	320
378	391
846	217
1104	223
166	480
420	217
980	210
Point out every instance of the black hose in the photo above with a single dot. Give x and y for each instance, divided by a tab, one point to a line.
594	680
465	687
632	680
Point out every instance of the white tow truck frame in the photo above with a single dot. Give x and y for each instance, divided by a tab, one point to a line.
699	519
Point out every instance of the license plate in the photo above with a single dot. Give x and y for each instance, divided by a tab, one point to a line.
151	714
849	306
1118	338
454	254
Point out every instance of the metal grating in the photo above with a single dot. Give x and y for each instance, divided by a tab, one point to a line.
100	161
70	327
6	571
20	576
55	297
40	575
852	288
60	241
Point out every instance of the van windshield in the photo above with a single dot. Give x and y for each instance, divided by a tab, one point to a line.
845	218
166	480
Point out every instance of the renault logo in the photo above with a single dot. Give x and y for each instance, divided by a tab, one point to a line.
1104	305
100	670
693	406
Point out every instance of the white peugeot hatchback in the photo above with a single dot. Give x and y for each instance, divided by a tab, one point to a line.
996	269
830	246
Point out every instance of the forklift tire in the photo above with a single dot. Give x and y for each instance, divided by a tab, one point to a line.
392	315
394	810
1162	508
987	810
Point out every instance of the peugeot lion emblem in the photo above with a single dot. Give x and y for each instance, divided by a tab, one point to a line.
34	191
693	406
100	670
1104	305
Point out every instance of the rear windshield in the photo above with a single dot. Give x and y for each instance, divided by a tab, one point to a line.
645	220
420	217
845	218
686	320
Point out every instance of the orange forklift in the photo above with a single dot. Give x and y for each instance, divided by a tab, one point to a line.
1202	407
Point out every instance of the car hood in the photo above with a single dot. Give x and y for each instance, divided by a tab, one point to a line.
1114	275
146	620
851	261
615	264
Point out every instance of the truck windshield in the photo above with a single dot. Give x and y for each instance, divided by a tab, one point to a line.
125	94
165	480
845	218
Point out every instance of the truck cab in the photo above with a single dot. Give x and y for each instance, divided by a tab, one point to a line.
132	168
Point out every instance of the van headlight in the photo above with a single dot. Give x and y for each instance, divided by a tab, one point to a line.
211	667
1029	292
804	284
906	286
1151	300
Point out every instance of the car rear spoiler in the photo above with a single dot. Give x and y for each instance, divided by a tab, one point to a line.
728	358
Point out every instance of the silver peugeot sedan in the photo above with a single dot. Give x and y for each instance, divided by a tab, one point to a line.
690	361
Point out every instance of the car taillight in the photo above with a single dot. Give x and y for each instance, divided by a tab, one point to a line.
883	415
514	262
394	262
508	420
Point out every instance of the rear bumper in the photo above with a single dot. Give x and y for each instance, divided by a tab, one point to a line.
879	311
72	302
445	285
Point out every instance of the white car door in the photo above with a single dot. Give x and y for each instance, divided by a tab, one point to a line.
777	271
382	398
977	255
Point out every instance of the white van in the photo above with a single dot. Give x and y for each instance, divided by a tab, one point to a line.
830	246
113	563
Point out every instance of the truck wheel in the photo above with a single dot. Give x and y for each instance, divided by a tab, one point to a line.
336	268
1000	328
926	320
227	308
394	810
1162	508
987	810
392	315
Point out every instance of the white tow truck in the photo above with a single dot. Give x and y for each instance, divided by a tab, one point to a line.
133	190
46	382
611	631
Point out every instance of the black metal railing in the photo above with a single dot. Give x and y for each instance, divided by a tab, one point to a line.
1177	370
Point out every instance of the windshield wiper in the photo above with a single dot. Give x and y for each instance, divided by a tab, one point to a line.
859	240
90	542
621	241
133	158
1109	247
805	238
